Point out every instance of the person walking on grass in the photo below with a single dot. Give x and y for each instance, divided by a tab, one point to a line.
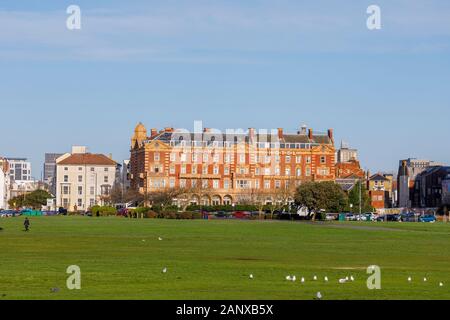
26	224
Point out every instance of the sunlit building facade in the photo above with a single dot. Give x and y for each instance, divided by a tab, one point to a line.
226	166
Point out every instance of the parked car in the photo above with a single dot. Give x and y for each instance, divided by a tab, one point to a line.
242	215
351	217
390	218
427	218
408	217
332	217
50	213
9	213
62	211
368	216
222	214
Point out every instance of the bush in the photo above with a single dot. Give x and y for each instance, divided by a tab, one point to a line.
103	211
224	208
151	214
196	215
185	216
159	209
169	215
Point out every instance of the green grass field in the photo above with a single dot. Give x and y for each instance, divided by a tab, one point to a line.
123	259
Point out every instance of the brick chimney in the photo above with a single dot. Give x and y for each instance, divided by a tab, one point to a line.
330	134
280	133
153	132
251	134
168	129
310	134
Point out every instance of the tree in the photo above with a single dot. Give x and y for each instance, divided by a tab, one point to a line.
116	195
256	197
284	196
316	196
164	198
35	200
354	195
185	196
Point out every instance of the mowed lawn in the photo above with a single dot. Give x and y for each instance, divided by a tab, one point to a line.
123	259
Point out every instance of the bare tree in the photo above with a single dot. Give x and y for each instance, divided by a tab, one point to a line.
281	197
186	195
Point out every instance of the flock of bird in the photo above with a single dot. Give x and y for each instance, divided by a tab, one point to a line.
319	296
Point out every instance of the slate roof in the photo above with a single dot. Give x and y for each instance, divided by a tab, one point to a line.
287	138
378	177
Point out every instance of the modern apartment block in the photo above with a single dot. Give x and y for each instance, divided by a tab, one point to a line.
228	165
407	173
83	179
19	170
431	187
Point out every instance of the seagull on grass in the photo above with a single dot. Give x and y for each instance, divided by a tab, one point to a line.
303	280
164	270
319	296
326	279
251	277
160	239
315	279
409	279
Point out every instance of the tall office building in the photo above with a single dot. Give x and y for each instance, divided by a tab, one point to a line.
49	174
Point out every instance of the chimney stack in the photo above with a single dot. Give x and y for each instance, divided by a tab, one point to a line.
154	132
251	134
330	134
310	134
280	133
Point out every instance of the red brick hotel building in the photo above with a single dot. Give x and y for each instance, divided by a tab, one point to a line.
227	165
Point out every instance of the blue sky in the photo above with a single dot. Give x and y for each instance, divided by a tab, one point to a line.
231	64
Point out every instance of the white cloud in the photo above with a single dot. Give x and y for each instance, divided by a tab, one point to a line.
221	31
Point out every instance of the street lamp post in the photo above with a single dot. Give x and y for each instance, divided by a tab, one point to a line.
360	196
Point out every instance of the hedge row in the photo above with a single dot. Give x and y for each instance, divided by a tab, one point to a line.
103	211
231	208
148	213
